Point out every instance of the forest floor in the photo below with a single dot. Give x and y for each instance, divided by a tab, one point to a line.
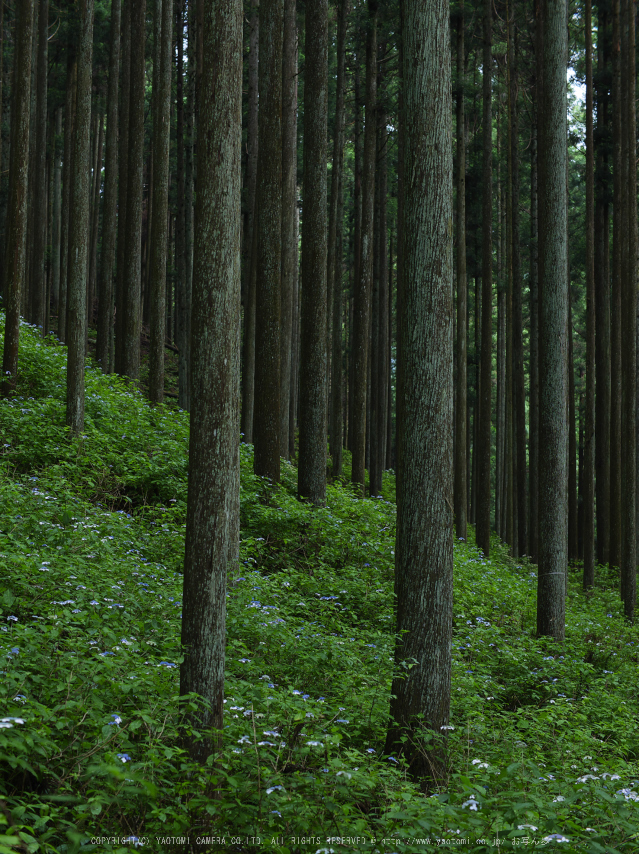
543	748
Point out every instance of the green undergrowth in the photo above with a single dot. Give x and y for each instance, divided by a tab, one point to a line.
543	748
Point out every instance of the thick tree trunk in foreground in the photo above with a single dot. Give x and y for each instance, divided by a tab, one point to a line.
424	554
78	236
553	558
312	456
15	250
213	450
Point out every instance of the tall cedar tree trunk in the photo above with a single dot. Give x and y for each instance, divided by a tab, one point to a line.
38	284
57	210
268	222
96	194
123	182
312	453
334	263
109	218
519	393
78	242
534	305
289	200
363	285
485	383
629	310
357	239
551	589
295	352
573	511
180	215
461	474
15	249
159	234
615	301
131	273
381	343
602	298
213	450
588	472
424	552
250	261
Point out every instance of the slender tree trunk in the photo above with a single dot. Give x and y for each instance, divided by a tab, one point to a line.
534	344
95	219
382	338
123	182
159	234
57	210
334	263
38	282
109	219
424	561
551	589
213	453
295	353
78	242
461	475
135	185
588	476
483	445
289	203
573	520
615	304
519	393
15	250
363	285
313	357
602	303
629	310
250	261
268	221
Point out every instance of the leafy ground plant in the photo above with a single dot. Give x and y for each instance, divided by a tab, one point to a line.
543	746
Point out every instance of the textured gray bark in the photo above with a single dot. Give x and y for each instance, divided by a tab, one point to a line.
588	472
461	474
551	589
123	182
213	451
534	346
289	203
78	235
131	323
602	300
38	278
250	267
268	221
363	284
424	552
67	181
334	263
15	250
159	234
615	303
628	311
485	386
313	356
57	209
109	219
